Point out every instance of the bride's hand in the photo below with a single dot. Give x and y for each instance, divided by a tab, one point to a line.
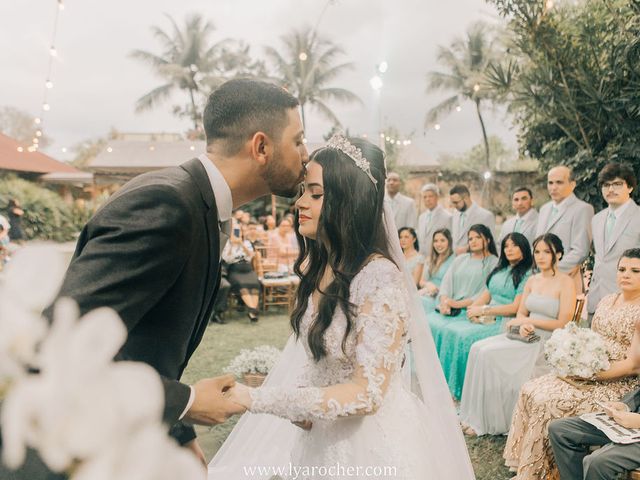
239	394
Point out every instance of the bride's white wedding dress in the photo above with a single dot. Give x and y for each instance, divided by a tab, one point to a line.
365	417
367	422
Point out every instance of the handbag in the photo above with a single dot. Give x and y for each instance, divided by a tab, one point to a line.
453	313
514	334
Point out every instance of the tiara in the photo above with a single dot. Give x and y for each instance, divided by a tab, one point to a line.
340	142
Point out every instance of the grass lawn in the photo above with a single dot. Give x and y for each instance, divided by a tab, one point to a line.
223	342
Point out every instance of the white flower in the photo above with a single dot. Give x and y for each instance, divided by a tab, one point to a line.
259	360
28	285
575	351
149	454
82	401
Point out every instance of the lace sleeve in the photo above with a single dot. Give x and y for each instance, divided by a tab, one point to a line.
380	330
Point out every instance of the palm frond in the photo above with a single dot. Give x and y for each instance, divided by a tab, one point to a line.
441	109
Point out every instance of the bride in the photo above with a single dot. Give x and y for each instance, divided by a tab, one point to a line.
338	404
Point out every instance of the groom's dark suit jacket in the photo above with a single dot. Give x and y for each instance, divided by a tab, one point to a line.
152	254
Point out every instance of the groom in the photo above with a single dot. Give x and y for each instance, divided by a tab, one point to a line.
152	252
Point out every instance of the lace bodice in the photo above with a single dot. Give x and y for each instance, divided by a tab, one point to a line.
615	325
355	382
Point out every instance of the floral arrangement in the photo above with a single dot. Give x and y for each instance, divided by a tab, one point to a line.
576	352
257	361
72	411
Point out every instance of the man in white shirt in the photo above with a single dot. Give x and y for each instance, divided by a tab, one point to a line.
467	213
615	229
569	218
526	217
403	207
432	219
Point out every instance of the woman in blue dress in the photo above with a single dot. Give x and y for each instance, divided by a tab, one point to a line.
485	316
439	262
410	248
464	281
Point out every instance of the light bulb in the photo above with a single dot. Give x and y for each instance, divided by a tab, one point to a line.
109	149
458	108
46	107
48	84
64	149
303	56
383	67
37	120
437	126
53	52
476	87
20	149
38	133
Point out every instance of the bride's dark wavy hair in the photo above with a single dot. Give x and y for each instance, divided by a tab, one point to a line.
350	231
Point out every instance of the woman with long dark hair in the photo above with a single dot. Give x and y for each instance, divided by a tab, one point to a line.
412	257
484	318
463	282
353	315
498	366
440	260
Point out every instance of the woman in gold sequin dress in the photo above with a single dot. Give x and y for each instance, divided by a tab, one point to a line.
545	398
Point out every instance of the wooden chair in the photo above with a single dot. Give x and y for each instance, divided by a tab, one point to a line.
577	313
277	291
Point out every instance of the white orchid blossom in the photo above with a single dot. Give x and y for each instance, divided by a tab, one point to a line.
85	415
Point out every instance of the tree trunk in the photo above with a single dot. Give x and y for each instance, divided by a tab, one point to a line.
194	113
486	191
304	126
484	135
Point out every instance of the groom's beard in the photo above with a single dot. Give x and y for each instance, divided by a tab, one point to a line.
281	180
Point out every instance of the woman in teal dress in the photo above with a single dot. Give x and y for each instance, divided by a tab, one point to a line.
464	281
439	262
413	260
485	316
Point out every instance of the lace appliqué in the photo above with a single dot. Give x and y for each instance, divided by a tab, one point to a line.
354	385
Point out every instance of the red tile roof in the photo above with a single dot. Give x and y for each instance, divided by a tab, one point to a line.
25	161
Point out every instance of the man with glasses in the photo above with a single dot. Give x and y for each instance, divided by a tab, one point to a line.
615	229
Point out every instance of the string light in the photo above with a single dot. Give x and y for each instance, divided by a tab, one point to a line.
109	149
48	83
303	56
437	126
64	149
476	88
20	149
458	108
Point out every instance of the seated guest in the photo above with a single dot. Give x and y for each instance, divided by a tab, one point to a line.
464	281
412	258
238	255
252	234
571	439
440	260
548	397
283	245
484	317
498	366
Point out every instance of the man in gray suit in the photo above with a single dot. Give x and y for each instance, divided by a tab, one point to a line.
433	218
569	218
403	207
615	229
467	213
571	438
526	218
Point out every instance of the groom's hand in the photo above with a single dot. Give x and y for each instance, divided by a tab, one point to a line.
210	406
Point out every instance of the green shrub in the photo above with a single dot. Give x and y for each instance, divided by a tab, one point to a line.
46	215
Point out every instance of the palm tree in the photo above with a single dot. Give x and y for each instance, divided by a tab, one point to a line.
190	62
467	60
306	66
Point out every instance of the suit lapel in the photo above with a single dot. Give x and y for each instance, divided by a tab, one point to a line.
199	174
598	232
620	226
567	206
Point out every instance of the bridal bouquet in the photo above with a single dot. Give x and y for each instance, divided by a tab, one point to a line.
257	361
576	352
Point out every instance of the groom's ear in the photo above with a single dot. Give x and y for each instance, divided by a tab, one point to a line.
261	148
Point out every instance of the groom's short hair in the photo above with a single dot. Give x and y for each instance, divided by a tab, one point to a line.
239	108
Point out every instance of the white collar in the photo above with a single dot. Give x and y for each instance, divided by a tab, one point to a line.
619	211
220	187
563	203
526	215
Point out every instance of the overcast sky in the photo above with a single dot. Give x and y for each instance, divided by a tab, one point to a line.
96	84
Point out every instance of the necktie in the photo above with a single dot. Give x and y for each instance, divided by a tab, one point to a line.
429	215
462	220
552	216
611	222
225	233
516	227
